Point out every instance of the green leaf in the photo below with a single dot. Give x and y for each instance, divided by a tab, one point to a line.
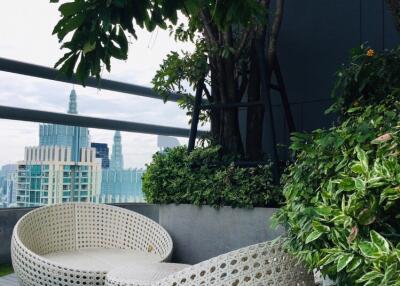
68	25
370	276
122	41
353	265
88	47
323	211
313	236
71	8
366	216
368	250
359	184
69	65
357	168
390	194
343	261
379	241
320	227
362	156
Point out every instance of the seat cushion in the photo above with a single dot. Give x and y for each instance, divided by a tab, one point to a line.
142	274
100	259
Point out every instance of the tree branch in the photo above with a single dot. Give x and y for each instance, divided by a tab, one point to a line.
207	92
273	36
244	41
207	27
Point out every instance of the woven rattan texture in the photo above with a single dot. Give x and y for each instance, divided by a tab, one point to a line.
75	226
257	265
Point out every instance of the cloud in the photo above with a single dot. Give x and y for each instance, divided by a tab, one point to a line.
25	33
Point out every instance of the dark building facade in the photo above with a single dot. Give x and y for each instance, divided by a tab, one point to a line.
102	152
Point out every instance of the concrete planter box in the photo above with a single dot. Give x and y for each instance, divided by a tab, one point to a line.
200	233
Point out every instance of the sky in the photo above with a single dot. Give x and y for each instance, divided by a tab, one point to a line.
25	35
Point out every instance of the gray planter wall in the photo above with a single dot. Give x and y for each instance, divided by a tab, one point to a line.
8	218
198	233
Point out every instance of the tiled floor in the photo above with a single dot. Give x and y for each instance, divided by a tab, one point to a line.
9	280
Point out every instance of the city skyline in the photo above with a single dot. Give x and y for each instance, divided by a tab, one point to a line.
145	56
67	165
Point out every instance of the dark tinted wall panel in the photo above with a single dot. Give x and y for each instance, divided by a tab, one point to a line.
390	34
316	39
372	23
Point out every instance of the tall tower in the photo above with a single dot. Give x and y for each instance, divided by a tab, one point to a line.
117	161
63	135
120	185
73	105
63	168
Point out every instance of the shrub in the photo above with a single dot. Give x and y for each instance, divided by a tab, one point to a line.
343	191
205	177
368	79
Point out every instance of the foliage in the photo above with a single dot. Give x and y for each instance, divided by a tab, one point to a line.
369	77
343	191
99	27
180	73
222	68
205	177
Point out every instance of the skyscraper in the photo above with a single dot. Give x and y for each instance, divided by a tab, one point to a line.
119	184
48	175
8	184
67	136
62	168
117	161
102	153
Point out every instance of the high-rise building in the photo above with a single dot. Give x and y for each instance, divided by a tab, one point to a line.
102	153
8	179
66	136
119	184
62	168
117	161
48	175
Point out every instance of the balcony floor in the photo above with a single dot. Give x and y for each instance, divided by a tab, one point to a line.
9	280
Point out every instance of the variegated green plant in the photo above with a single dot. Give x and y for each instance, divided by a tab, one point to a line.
342	211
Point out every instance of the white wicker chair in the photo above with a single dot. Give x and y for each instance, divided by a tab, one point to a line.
257	265
75	227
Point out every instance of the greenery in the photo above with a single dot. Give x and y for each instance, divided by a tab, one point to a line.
367	79
343	191
6	269
206	177
231	50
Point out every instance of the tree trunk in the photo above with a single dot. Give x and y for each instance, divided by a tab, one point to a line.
231	140
255	114
215	114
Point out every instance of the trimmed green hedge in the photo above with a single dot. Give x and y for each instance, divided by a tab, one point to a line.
205	177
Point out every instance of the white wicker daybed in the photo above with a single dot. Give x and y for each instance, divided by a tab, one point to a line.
262	264
78	243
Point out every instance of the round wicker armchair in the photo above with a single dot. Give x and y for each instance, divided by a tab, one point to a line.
257	265
78	243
